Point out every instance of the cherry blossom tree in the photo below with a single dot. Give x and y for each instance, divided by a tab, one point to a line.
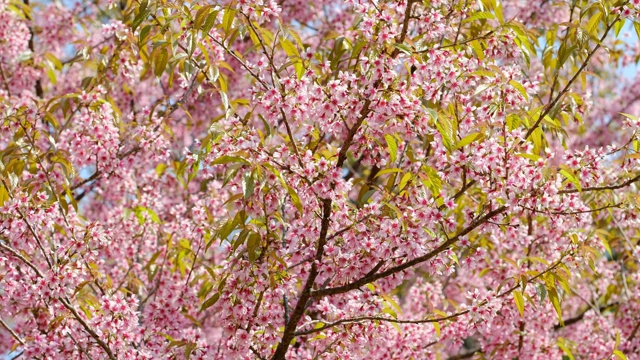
283	179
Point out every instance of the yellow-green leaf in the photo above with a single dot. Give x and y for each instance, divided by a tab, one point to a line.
289	48
294	197
520	88
567	173
388	171
210	301
519	300
201	16
405	180
468	140
619	354
227	19
592	25
392	145
392	302
160	60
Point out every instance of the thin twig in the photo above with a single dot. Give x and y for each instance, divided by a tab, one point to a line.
600	188
13	333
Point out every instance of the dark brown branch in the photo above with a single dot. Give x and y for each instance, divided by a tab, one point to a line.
342	155
424	321
17	356
22	258
256	353
86	327
405	24
576	319
600	188
301	305
380	318
466	355
305	295
572	212
95	176
634	332
445	245
10	331
464	189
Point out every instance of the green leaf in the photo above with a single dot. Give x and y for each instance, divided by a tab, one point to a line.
479	15
444	128
499	14
144	33
176	344
225	159
227	19
138	210
618	26
222	80
553	296
387	171
519	300
629	116
295	199
484	73
432	181
520	88
142	15
57	65
468	140
210	301
436	326
405	180
389	300
241	238
160	60
563	54
289	48
189	349
392	145
480	88
225	230
208	24
567	173
51	75
253	243
477	48
292	193
248	185
404	48
4	195
201	16
619	354
592	25
541	290
563	346
432	113
532	157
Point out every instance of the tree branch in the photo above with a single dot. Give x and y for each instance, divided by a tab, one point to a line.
13	333
373	277
424	321
600	188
